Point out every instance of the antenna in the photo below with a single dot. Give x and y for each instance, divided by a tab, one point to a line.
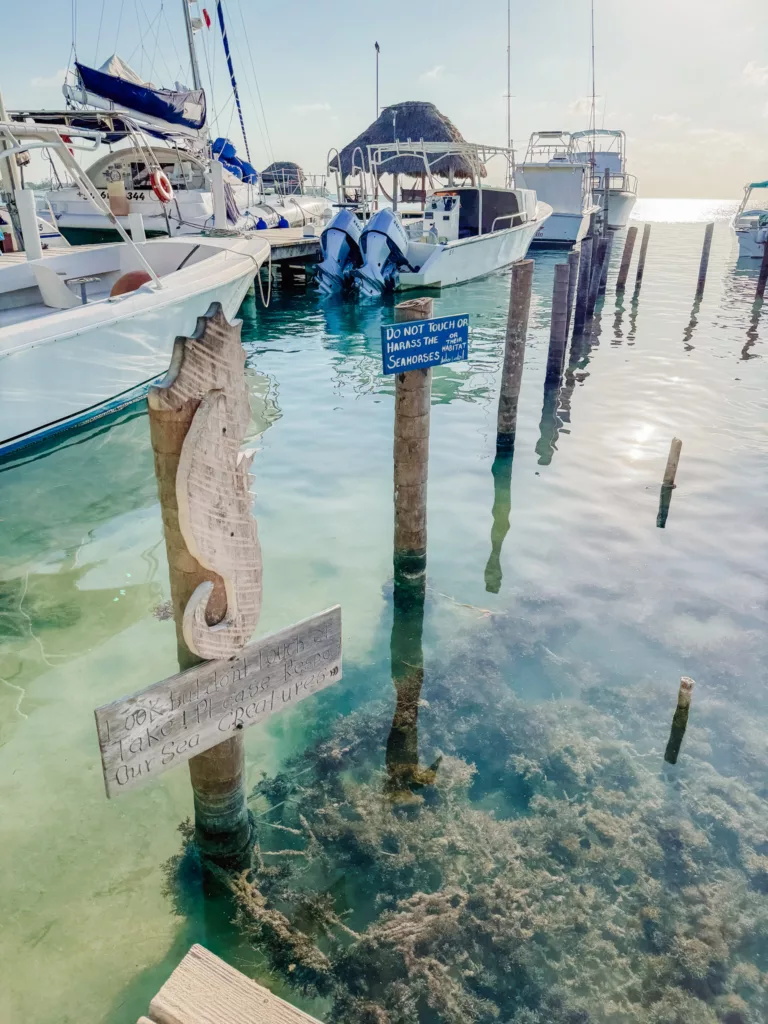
593	114
509	87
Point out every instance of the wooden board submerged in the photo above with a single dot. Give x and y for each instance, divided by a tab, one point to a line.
147	733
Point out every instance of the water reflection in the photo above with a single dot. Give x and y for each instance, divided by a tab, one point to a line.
692	324
502	506
752	333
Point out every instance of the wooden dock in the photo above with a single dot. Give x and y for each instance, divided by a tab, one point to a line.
289	245
203	990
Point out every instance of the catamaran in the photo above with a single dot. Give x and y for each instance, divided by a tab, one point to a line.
608	166
553	171
464	231
751	221
85	330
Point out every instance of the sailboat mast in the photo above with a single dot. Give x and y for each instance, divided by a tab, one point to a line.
196	82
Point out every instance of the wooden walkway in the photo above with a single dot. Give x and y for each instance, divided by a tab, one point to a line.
205	990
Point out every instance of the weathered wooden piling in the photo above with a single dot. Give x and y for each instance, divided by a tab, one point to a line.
596	273
573	277
582	290
222	823
643	254
606	198
626	259
558	331
606	264
413	391
679	719
704	264
762	278
673	459
514	354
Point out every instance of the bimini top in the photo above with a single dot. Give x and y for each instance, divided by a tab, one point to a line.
758	184
597	131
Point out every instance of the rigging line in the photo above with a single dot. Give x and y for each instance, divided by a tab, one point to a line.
249	48
74	27
119	22
98	34
222	26
264	137
157	37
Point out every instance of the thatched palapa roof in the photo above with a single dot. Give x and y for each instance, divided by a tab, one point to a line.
283	173
418	122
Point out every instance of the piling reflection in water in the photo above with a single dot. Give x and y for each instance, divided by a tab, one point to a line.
752	333
692	325
502	507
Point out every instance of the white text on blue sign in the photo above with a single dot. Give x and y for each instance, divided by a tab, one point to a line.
418	344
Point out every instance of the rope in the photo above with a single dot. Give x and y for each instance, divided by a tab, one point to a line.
98	34
249	49
266	302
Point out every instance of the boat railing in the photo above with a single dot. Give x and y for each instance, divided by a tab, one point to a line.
617	182
510	217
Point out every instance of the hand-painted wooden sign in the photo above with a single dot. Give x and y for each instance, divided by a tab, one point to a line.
418	344
145	734
212	482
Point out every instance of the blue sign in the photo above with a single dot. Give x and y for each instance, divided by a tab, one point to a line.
417	344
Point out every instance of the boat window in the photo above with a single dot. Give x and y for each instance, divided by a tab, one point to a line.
497	203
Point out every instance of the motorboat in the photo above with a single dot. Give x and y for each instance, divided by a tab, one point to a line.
604	152
552	170
463	232
751	221
85	330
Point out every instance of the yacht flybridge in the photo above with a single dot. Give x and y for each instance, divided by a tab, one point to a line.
462	232
604	152
751	221
552	169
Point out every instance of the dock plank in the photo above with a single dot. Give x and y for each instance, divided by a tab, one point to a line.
205	990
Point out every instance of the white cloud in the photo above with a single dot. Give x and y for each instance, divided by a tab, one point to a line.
674	120
57	78
311	108
755	75
432	74
582	107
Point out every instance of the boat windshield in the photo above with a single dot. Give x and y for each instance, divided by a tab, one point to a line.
756	198
130	167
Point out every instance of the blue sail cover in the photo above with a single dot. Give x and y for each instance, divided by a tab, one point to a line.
183	108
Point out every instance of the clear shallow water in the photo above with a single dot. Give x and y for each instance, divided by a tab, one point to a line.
631	890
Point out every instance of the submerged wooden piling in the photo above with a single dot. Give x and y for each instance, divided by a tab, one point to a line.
558	331
704	260
582	290
643	254
413	391
626	259
514	354
762	278
679	719
573	277
598	259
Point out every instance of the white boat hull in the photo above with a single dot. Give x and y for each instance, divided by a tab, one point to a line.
472	258
752	242
71	366
563	229
620	206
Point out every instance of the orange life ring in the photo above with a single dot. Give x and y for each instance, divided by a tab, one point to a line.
161	186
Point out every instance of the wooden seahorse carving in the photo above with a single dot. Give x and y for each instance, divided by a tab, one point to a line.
204	394
212	488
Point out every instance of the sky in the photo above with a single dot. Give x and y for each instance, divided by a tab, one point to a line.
686	79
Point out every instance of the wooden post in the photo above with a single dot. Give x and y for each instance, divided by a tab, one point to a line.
762	279
606	198
626	259
679	720
582	291
200	365
395	186
598	259
672	461
514	354
573	276
704	260
643	253
606	264
558	331
413	391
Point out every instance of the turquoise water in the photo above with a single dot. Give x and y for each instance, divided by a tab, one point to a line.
544	864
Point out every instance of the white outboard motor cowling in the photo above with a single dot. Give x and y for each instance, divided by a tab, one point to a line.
384	245
340	245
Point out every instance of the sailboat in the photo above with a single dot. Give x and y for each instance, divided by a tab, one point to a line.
85	330
750	221
163	163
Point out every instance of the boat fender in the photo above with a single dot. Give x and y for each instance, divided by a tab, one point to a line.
261	224
129	282
161	186
283	223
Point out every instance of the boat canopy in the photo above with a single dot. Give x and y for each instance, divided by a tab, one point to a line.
758	184
117	82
